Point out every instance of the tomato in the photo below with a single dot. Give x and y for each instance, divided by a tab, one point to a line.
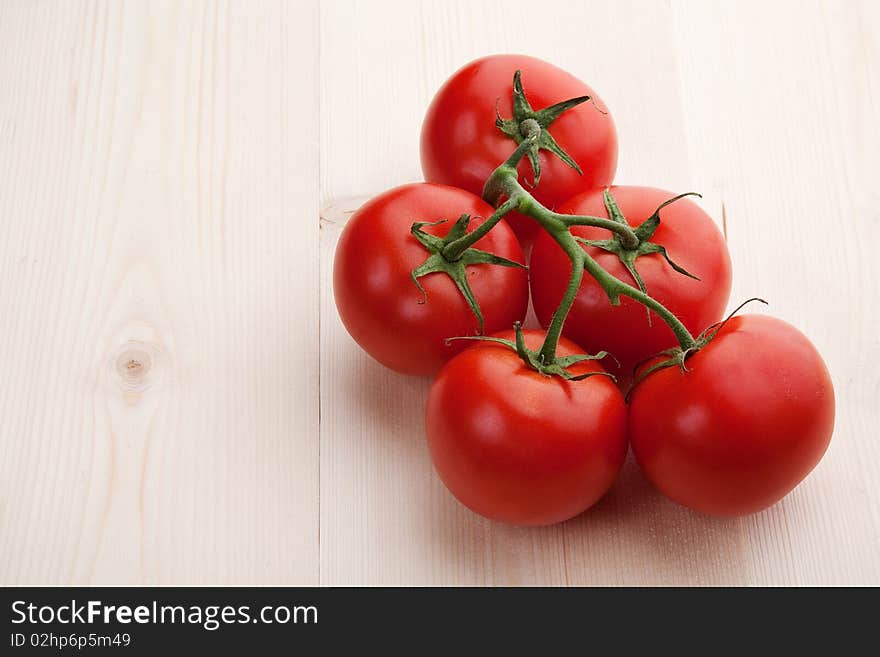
691	239
461	145
522	447
383	309
743	427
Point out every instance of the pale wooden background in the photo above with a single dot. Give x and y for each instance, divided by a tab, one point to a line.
178	400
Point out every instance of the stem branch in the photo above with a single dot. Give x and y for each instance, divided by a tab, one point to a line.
615	285
503	182
454	250
554	331
630	240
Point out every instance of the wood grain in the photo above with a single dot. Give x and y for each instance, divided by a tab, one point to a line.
158	293
769	109
793	155
179	403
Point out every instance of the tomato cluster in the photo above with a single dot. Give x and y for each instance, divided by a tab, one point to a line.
723	416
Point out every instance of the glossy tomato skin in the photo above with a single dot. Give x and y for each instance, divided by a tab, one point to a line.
377	300
691	239
743	427
461	145
519	447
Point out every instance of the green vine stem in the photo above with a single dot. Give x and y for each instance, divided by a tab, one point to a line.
504	183
454	250
452	254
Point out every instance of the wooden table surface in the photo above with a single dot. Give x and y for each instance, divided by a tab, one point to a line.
179	403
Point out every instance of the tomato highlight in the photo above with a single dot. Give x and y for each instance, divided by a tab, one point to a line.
521	447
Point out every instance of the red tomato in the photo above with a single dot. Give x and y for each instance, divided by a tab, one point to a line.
376	298
521	447
743	427
691	239
461	145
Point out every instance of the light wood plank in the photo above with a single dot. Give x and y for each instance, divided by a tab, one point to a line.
159	283
158	293
783	131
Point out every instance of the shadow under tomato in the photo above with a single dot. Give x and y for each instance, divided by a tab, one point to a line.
632	536
391	407
636	536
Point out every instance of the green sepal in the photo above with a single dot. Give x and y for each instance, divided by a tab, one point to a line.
534	360
648	227
455	269
676	356
522	111
612	208
628	256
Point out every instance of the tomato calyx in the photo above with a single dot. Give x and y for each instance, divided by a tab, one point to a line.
535	359
523	123
504	183
678	355
455	268
628	250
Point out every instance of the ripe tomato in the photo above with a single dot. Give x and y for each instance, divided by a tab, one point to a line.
743	427
521	447
383	309
461	145
691	239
